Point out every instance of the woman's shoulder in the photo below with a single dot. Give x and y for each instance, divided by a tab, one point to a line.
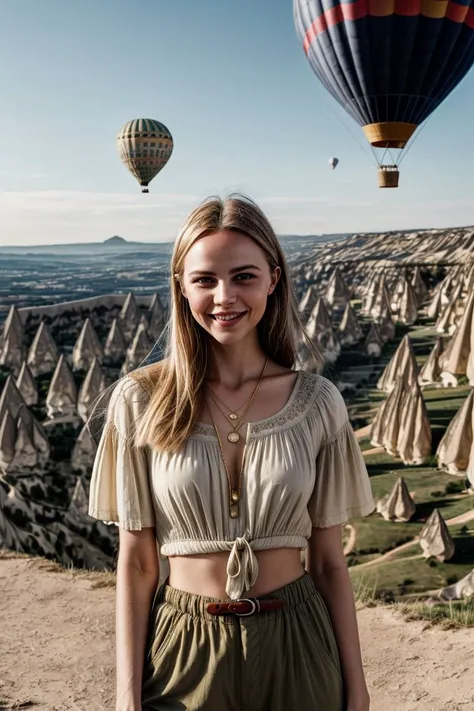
326	400
130	395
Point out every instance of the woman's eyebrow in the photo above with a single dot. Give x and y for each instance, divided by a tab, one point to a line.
231	271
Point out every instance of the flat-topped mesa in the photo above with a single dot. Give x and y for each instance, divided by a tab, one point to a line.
12	351
454	449
26	384
308	302
129	316
156	318
435	539
137	351
403	363
93	384
43	354
414	440
84	451
87	347
11	400
62	394
431	370
350	331
462	590
408	307
77	512
7	440
115	345
399	505
373	344
337	292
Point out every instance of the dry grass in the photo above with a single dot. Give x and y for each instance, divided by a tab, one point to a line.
98	578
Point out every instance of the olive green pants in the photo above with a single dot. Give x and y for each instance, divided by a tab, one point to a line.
284	660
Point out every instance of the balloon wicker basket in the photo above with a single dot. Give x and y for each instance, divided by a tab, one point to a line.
388	176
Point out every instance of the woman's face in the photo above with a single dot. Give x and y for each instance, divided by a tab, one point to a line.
227	281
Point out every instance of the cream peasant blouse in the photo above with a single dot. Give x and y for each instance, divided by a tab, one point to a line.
303	467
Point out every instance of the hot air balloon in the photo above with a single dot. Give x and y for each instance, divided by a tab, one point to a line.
145	147
389	63
333	162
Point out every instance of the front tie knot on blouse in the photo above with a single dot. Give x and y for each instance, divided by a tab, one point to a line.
303	467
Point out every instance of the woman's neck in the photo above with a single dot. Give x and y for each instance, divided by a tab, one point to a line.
234	365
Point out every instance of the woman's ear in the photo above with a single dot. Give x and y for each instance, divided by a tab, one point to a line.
275	277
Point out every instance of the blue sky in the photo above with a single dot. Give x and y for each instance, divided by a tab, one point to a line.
232	83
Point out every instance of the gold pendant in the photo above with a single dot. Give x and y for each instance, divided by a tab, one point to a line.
235	495
233	416
234	510
233	437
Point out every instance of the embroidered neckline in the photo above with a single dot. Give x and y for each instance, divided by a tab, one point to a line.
304	391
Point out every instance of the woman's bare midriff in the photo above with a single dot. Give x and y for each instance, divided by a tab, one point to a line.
206	574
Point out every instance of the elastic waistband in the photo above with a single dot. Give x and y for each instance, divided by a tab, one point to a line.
294	594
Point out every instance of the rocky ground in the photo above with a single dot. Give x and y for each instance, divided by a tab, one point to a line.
57	647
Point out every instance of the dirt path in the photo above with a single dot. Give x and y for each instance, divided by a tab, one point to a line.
57	649
462	518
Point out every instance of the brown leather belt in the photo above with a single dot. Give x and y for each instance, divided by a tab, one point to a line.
245	606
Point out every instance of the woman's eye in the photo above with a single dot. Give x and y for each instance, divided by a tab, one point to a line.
203	280
241	277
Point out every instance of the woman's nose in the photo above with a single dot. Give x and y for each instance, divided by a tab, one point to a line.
225	294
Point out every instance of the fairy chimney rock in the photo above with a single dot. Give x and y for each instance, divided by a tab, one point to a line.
84	451
26	384
431	370
92	385
11	350
403	363
7	440
62	394
87	347
337	293
26	455
11	399
115	345
373	344
78	508
435	539
408	307
156	318
137	351
43	354
350	331
129	315
319	320
462	590
399	505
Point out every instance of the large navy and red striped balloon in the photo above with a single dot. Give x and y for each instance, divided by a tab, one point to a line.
389	63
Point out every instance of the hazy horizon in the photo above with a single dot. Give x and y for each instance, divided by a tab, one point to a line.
245	111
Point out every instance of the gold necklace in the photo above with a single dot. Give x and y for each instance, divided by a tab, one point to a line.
231	415
234	494
234	436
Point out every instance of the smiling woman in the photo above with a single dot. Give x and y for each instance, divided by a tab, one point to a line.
233	463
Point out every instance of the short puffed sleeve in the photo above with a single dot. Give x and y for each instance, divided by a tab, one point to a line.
342	486
120	483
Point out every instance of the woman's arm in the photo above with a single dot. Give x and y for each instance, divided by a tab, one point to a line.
137	580
327	566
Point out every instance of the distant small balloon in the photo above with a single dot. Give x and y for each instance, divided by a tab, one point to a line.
145	147
333	162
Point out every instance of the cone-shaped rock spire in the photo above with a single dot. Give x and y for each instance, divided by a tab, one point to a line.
373	344
393	418
319	320
79	506
116	345
414	439
399	505
7	440
454	449
408	307
403	363
129	316
87	347
12	351
26	384
431	370
462	590
43	354
349	330
455	358
433	309
84	451
419	286
11	399
62	394
92	385
138	350
156	318
337	293
308	302
435	539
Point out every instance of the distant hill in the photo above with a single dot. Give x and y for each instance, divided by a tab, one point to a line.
115	241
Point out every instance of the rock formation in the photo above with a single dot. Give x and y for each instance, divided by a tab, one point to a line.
435	539
61	399
43	354
87	347
399	505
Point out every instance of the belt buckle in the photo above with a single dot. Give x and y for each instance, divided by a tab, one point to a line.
255	607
